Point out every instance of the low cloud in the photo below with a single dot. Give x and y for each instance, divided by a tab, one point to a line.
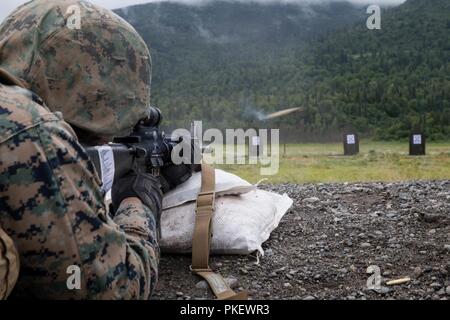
7	7
359	2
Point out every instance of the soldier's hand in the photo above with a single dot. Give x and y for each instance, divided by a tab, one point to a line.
144	186
174	175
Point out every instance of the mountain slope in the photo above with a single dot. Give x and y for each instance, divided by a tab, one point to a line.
225	62
225	32
394	79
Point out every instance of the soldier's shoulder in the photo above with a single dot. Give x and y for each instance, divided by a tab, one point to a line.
20	109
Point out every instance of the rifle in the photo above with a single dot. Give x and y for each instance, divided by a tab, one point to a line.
145	150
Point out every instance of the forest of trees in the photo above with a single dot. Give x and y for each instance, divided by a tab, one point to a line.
225	63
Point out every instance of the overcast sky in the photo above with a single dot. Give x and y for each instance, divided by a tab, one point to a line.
7	6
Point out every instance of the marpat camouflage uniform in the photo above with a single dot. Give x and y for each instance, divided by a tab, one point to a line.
50	199
52	207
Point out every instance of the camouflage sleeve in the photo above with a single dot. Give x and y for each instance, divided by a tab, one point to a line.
138	223
52	206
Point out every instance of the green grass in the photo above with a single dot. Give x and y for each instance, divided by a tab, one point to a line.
377	161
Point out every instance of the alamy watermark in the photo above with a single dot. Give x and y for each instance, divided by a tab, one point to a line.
74	280
74	18
374	20
374	281
235	147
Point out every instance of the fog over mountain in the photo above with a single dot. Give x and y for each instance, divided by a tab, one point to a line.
226	62
8	6
361	2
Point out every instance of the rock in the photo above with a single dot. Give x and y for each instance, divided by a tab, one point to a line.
243	271
362	235
391	215
429	217
405	196
427	269
387	273
417	272
311	200
382	290
232	282
365	245
280	270
447	290
447	247
436	285
309	298
202	285
441	292
180	294
256	285
287	285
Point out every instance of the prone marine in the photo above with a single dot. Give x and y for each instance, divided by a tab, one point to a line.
62	88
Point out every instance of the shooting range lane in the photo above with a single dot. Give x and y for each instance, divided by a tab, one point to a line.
326	242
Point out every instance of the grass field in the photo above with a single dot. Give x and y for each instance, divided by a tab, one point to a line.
377	161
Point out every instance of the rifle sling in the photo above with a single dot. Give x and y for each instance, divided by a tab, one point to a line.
201	242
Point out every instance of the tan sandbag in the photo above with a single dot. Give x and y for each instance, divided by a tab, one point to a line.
226	184
9	265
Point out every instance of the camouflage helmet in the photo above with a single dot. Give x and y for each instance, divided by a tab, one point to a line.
82	60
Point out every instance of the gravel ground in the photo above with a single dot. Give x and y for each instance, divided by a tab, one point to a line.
329	238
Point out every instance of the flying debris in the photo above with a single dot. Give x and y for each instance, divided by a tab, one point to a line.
281	113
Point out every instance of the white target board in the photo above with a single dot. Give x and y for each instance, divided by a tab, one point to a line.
417	139
256	141
351	139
